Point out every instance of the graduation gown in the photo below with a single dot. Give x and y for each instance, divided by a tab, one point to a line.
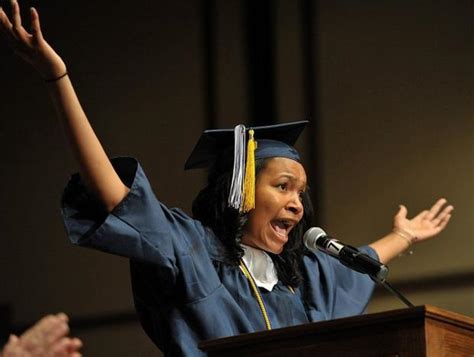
183	290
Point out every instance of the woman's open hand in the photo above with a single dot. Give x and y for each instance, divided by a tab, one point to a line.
31	46
423	226
427	223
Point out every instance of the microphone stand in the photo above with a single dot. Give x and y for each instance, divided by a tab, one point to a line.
394	291
377	271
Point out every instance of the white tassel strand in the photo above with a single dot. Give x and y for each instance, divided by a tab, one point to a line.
238	174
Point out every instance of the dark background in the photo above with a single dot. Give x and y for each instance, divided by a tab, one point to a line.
388	87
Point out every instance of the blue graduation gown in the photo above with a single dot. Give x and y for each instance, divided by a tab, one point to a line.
183	290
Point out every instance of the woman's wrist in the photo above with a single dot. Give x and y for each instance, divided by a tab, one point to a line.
56	78
51	70
408	237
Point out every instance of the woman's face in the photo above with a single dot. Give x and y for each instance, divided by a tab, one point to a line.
278	206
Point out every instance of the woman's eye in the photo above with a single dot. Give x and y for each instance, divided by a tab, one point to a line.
282	186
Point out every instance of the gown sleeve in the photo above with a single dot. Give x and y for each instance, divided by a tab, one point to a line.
143	229
332	290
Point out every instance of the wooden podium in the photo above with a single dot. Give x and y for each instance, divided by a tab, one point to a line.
413	332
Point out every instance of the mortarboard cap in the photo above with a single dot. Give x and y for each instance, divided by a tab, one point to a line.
273	141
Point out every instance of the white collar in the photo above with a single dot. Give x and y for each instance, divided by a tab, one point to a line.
261	266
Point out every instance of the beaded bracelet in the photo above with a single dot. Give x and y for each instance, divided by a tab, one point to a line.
56	79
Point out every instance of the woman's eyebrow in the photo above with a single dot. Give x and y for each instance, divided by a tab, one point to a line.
293	178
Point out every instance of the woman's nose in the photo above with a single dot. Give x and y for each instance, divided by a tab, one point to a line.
294	204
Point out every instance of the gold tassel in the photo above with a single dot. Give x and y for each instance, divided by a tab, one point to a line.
249	182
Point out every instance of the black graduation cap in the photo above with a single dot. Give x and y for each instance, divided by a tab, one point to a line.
272	141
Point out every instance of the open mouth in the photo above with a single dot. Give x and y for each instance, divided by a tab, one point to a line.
282	227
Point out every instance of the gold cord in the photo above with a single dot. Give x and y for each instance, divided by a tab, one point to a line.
256	292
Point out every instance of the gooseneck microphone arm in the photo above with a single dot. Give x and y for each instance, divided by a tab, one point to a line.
316	239
397	293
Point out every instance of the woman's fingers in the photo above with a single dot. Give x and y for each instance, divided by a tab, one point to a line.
437	214
28	46
7	31
16	17
5	23
6	27
31	47
442	218
445	221
402	212
35	25
434	210
18	30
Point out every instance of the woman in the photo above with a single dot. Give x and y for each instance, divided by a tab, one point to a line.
226	271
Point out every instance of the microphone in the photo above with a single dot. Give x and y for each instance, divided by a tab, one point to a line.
316	239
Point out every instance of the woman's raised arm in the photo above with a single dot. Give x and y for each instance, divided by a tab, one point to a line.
406	232
97	172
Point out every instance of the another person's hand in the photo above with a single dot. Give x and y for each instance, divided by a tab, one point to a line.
31	46
47	338
425	224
